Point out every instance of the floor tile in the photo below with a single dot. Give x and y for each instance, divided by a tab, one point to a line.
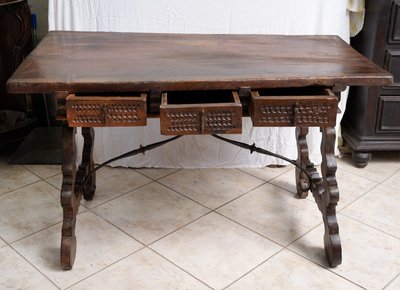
99	245
379	208
393	181
215	250
370	258
287	270
351	187
142	270
44	171
110	183
211	187
156	173
29	209
14	176
2	243
395	285
274	213
267	173
55	181
378	169
16	273
286	181
150	212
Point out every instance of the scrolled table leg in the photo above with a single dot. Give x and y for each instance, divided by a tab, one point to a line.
86	166
69	199
329	197
302	182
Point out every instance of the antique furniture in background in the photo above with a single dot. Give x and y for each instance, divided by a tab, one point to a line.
196	84
15	43
372	118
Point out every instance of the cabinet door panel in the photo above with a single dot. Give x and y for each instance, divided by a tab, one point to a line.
394	31
388	114
392	64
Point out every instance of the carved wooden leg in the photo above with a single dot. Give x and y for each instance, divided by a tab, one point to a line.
302	181
328	197
69	199
86	166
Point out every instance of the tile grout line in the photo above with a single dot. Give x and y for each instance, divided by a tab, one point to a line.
170	233
254	268
111	224
117	196
249	229
391	281
184	270
325	267
33	265
264	168
102	269
211	209
357	198
21	187
39	175
155	179
359	175
241	195
370	226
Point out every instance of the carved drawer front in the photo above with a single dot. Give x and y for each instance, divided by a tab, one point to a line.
200	112
106	111
293	107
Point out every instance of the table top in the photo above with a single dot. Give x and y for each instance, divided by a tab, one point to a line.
111	61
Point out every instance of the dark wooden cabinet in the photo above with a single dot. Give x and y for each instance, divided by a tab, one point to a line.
15	44
15	31
372	118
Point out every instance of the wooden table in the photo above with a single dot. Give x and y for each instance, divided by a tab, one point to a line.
196	84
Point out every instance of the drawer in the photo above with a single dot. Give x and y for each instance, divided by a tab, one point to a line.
200	112
394	26
106	111
388	114
293	107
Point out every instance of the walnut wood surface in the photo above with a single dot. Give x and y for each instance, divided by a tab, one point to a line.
104	61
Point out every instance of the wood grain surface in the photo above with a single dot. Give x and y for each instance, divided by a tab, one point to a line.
110	61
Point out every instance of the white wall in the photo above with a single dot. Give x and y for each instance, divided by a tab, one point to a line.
40	8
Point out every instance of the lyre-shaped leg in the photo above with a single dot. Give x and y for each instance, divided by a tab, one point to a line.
69	199
302	182
328	198
86	166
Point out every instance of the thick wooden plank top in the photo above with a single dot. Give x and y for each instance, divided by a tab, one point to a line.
110	61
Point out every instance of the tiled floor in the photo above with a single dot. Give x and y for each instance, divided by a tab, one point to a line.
201	229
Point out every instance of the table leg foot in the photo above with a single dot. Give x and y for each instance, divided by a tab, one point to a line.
302	182
68	252
332	244
328	196
70	199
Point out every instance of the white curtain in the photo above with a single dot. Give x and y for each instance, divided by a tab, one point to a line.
289	17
